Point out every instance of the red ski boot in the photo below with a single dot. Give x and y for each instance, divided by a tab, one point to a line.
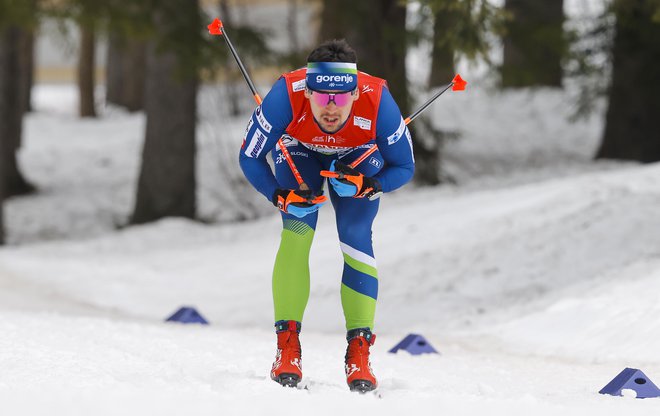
358	368
287	368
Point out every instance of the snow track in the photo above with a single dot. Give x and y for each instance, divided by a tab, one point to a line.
535	294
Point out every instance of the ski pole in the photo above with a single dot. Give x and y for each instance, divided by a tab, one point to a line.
456	84
216	28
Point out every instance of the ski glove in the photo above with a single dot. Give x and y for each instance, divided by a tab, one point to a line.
298	202
348	182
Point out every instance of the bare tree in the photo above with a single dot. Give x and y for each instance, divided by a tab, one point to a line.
26	63
86	68
11	113
2	216
114	69
5	111
134	75
166	186
125	71
632	125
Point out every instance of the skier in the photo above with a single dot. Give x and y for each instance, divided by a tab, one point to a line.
327	115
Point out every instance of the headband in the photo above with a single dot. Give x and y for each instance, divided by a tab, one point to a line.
331	76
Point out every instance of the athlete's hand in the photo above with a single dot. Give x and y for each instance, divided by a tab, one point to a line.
298	202
348	182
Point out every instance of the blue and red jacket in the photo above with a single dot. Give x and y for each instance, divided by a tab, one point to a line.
285	110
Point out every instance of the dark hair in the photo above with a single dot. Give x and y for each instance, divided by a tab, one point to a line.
336	50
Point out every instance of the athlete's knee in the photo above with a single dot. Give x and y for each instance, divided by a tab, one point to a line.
351	231
300	225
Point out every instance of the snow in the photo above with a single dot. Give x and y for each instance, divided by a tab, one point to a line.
536	276
537	289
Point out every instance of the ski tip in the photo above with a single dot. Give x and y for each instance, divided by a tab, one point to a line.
459	83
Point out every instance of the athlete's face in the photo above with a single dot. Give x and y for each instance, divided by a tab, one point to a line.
331	109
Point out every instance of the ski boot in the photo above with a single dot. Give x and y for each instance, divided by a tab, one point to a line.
287	368
359	376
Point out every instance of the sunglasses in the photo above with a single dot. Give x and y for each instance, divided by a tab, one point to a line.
323	99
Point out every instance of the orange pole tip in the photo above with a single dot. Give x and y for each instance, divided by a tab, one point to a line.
215	28
459	83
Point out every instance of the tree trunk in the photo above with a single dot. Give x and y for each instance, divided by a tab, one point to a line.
125	71
11	113
5	112
166	186
377	31
632	125
114	72
534	44
86	68
442	56
26	63
134	75
2	216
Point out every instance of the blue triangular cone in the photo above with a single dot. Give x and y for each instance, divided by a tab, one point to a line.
188	315
415	345
633	379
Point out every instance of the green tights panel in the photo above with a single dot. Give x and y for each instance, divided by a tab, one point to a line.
291	272
291	280
359	309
